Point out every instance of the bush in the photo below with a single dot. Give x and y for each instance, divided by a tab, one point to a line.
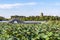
43	31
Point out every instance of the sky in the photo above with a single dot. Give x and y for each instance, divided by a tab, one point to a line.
29	7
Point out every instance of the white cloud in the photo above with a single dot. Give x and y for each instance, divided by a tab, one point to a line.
57	4
54	4
50	4
7	6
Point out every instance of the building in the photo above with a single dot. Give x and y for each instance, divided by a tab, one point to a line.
41	15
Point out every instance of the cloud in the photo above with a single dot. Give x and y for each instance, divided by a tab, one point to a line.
49	4
7	6
57	4
53	4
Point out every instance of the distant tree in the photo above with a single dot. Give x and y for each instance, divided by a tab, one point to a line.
2	18
35	18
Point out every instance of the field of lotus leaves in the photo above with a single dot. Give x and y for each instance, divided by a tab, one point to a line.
45	31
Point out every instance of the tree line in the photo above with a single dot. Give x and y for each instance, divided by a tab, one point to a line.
36	18
33	18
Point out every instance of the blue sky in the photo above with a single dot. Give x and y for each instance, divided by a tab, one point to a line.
29	7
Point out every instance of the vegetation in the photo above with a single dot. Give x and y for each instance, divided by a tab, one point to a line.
37	18
44	31
33	18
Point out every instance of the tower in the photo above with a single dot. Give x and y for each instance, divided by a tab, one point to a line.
41	14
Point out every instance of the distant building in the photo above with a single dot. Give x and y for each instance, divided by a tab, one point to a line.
41	15
16	16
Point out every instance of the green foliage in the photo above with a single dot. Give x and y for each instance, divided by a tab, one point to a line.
36	18
33	18
45	31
